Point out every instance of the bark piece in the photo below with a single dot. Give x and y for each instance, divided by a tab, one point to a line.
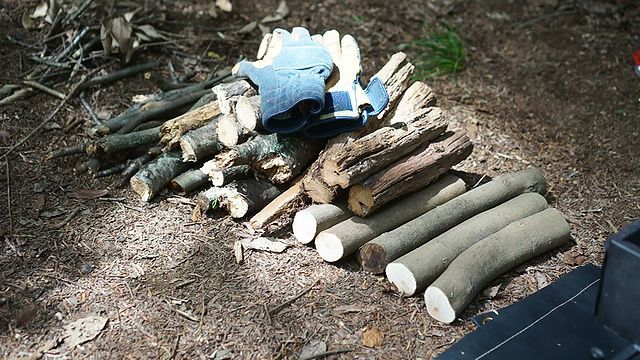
411	173
154	176
346	237
283	205
492	256
309	222
222	177
201	143
112	144
244	197
248	112
377	253
373	152
419	268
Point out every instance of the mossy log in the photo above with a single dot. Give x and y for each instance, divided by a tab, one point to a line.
377	253
115	143
492	256
416	270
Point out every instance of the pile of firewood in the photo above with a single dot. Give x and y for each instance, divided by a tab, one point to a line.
210	137
451	242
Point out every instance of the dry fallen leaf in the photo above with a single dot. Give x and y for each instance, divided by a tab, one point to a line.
83	330
490	293
372	338
89	193
248	28
41	10
27	22
281	12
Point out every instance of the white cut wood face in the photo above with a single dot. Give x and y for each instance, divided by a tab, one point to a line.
438	305
304	227
400	276
329	247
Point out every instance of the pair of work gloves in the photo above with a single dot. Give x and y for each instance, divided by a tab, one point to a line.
312	83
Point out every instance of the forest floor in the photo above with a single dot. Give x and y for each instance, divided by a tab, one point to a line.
548	84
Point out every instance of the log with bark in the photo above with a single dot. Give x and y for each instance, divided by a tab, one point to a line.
410	174
346	237
115	143
231	133
373	152
154	176
416	270
281	207
248	112
309	222
173	129
375	255
244	197
201	143
228	94
492	256
188	181
395	75
222	177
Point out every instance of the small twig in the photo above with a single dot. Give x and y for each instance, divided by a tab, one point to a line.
87	107
326	353
479	181
279	307
44	89
9	199
66	220
74	15
174	350
185	315
120	74
51	63
15	96
73	124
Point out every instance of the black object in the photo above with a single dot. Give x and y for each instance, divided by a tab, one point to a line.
587	314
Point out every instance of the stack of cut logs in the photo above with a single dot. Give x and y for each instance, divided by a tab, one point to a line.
451	242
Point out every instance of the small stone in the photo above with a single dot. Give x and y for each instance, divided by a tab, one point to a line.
86	268
58	316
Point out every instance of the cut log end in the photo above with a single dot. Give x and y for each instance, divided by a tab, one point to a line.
216	177
228	133
141	188
329	247
304	227
400	276
236	205
438	305
372	257
360	200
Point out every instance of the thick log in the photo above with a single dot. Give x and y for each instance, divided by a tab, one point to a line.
316	218
154	176
189	181
346	237
282	206
112	144
228	94
279	158
395	75
416	270
492	256
411	173
377	253
172	130
371	153
248	112
244	197
231	132
201	143
222	177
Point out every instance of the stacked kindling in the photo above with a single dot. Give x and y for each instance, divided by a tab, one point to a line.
445	240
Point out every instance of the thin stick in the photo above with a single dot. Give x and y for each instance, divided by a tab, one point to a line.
326	353
78	12
44	89
279	307
66	220
9	199
87	107
120	74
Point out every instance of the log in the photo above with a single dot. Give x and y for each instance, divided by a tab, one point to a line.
492	256
189	181
228	94
316	218
201	143
66	151
248	112
416	270
371	153
377	253
112	144
279	158
222	177
395	75
231	132
282	206
206	200
346	237
154	176
409	174
134	165
244	197
172	130
204	100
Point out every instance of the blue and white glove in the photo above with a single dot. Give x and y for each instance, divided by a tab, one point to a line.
347	105
291	78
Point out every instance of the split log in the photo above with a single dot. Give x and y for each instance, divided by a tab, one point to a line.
222	177
492	256
371	153
244	197
248	112
201	143
153	177
189	181
419	268
316	218
279	158
395	75
172	130
345	238
283	205
231	132
228	94
411	173
377	253
112	144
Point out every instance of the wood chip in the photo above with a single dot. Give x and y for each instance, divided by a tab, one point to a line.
372	338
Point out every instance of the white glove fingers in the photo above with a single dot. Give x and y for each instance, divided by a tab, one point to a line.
331	41
264	45
318	39
350	54
299	33
275	44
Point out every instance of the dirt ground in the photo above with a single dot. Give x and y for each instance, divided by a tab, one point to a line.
550	83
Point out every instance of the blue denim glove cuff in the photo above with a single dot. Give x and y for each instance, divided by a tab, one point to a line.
288	103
